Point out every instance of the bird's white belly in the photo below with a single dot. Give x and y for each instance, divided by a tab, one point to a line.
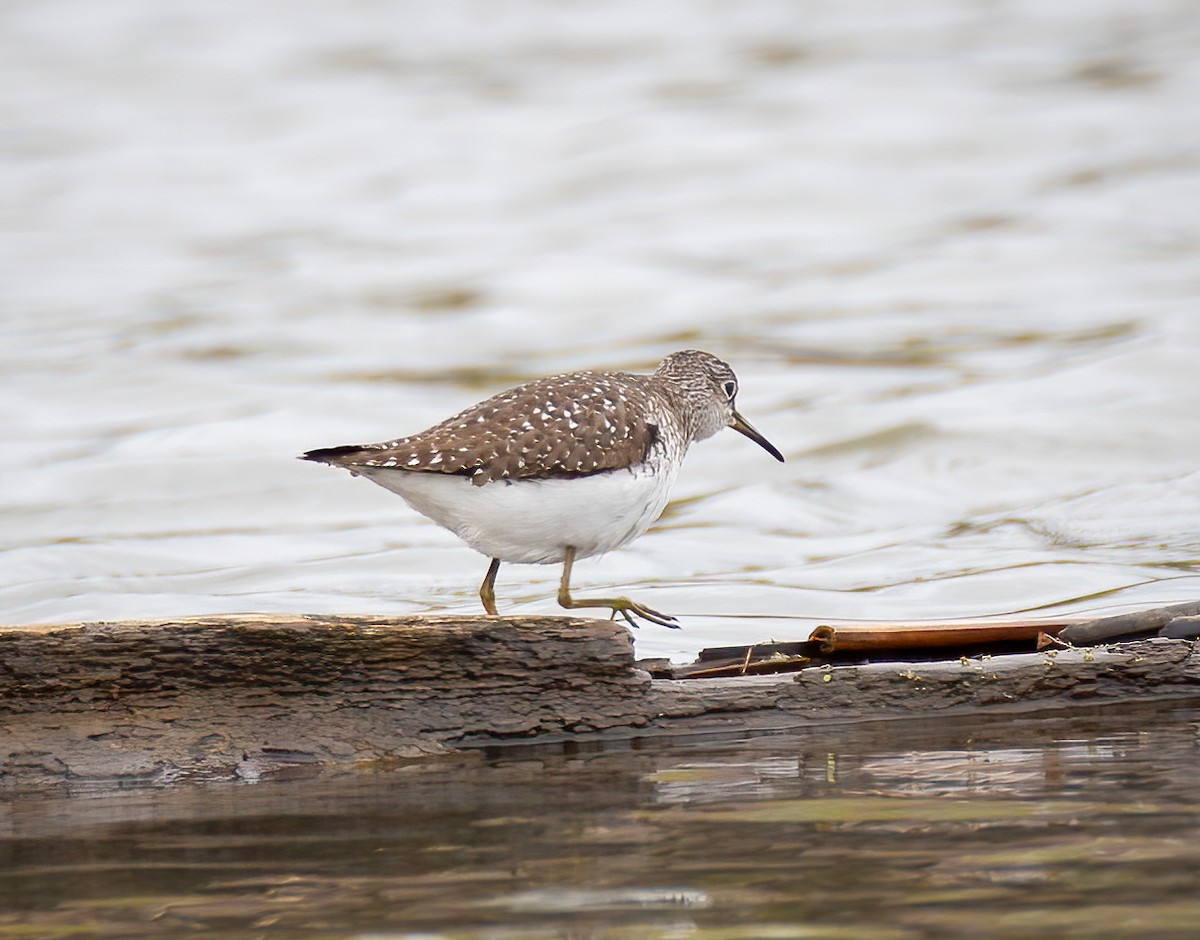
533	521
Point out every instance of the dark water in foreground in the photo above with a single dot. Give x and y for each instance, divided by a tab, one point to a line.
1039	827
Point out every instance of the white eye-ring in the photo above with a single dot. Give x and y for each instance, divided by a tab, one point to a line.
730	389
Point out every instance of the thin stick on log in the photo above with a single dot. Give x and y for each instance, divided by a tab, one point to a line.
867	637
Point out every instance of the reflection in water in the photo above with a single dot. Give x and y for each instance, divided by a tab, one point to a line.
1070	827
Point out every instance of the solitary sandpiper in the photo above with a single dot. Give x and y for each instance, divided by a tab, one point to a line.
559	468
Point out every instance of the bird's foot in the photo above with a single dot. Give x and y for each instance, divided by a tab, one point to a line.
623	606
630	609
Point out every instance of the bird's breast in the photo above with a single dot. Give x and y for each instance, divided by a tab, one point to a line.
533	520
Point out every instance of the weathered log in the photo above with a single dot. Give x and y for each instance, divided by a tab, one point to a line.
1144	670
1142	622
243	696
1051	680
237	696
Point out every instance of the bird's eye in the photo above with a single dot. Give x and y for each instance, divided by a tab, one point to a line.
730	389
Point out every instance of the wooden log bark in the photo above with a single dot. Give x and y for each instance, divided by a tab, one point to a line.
1144	670
1050	680
240	697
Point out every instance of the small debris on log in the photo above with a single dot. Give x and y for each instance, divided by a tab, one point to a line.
922	642
758	659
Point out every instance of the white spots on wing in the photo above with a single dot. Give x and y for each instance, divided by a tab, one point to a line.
570	424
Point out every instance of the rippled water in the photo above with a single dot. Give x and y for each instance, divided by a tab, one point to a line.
951	249
1083	827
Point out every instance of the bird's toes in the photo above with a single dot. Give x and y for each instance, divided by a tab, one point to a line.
649	613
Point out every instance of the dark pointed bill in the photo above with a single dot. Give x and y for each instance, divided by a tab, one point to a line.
742	426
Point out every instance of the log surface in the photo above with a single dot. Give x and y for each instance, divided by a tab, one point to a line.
240	697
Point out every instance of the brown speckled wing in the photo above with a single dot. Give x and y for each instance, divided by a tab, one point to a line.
561	426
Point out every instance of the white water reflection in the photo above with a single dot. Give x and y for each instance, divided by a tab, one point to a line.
949	248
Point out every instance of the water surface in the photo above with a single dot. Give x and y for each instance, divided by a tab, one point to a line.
950	248
1041	827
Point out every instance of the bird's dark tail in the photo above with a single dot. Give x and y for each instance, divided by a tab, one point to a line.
335	456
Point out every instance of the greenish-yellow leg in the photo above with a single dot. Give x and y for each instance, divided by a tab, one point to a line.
487	590
618	605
